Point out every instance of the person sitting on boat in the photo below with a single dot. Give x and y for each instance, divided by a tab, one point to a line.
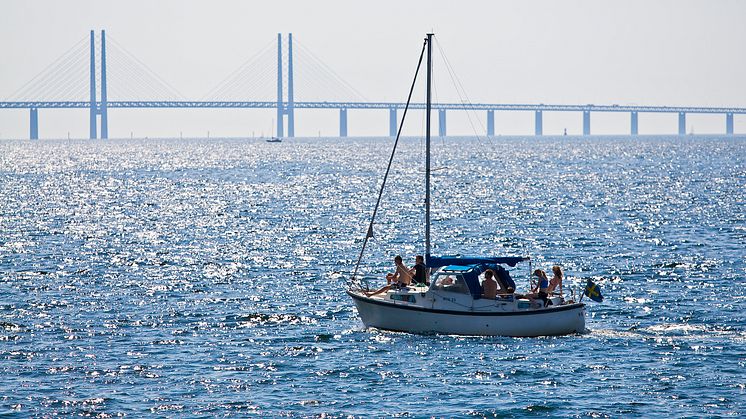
556	280
420	271
489	285
443	281
542	287
402	274
401	277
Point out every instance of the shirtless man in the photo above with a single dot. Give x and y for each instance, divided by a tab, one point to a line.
401	277
489	285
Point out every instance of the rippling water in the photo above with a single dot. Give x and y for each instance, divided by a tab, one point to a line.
206	277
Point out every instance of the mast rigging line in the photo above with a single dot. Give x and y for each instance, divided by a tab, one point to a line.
459	90
369	234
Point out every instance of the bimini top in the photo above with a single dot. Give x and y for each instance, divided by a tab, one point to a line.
437	262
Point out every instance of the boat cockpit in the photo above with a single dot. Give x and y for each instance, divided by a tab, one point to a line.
462	285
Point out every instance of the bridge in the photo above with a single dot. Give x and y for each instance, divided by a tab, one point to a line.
60	82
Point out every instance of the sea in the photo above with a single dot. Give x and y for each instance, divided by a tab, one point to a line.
206	277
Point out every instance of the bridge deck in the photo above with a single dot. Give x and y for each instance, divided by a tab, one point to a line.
374	105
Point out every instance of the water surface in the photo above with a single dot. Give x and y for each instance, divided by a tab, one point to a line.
206	277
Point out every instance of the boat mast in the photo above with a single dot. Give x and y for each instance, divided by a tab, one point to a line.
427	146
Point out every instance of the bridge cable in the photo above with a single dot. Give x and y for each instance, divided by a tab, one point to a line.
124	75
45	72
369	234
135	80
59	82
253	82
324	75
247	85
149	73
240	69
245	74
56	78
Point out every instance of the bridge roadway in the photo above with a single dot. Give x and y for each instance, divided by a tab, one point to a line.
288	108
373	105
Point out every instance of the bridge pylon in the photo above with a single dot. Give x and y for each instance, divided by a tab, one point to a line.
93	133
285	108
95	109
290	110
103	109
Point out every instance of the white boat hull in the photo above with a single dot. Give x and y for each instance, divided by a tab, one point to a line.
390	315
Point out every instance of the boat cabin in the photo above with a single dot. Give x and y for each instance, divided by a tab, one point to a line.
458	279
468	279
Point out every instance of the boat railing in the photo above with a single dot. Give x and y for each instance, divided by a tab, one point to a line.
361	282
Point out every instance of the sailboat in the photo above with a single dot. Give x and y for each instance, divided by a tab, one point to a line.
273	139
451	300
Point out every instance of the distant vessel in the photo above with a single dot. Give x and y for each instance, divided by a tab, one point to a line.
452	302
273	139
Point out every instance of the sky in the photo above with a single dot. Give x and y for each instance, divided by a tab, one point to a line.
667	52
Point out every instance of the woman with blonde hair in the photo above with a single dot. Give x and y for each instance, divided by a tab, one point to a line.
556	280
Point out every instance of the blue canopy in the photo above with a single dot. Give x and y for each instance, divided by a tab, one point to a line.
437	262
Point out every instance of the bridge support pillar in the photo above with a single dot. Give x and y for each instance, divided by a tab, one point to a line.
729	123
682	123
280	105
442	122
490	123
586	122
538	124
103	110
291	100
633	123
343	122
393	122
34	125
94	108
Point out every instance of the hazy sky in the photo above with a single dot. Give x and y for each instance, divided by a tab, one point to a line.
567	52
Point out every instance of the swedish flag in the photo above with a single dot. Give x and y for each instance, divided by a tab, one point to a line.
593	292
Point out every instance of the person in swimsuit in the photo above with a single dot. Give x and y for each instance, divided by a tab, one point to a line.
401	277
542	286
556	280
